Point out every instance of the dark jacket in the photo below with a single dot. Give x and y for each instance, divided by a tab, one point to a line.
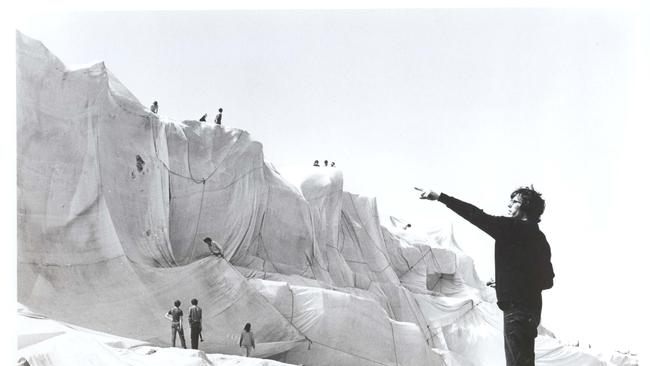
521	254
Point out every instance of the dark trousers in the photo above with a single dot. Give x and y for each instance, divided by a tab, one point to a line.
195	330
176	328
519	332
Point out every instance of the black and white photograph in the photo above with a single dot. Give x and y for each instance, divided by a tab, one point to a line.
403	185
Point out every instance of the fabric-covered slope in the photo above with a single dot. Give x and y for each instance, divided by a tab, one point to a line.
94	221
45	342
113	205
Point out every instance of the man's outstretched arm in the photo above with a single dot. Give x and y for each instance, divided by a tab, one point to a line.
491	225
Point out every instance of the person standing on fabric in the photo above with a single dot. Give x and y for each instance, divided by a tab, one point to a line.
247	340
175	315
213	247
154	107
522	265
217	119
195	317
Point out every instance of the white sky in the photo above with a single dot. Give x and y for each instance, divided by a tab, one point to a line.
472	102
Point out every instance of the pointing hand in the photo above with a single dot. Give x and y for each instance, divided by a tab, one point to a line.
427	194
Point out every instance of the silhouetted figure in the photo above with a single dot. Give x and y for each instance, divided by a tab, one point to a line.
203	118
316	163
154	107
175	315
325	162
247	340
213	247
217	119
332	164
407	226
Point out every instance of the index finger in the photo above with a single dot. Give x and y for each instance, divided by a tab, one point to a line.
418	189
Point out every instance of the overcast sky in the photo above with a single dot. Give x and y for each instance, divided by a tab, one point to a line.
471	102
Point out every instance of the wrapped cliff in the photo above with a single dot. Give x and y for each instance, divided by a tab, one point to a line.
114	202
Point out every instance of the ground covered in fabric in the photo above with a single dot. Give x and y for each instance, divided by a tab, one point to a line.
114	202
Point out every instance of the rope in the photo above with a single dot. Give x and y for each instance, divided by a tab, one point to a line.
266	252
292	305
189	164
415	314
259	234
352	233
191	177
411	267
386	256
394	343
155	146
350	353
311	341
314	242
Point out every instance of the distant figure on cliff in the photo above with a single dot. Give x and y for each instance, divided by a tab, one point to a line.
333	165
154	107
522	265
407	226
247	340
213	247
195	318
175	315
203	118
316	163
325	162
217	119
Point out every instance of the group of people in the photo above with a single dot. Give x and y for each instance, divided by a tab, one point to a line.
217	118
325	162
195	318
175	315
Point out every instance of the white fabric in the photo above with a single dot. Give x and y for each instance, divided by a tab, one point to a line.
113	206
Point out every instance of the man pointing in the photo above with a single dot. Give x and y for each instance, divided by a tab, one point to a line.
522	264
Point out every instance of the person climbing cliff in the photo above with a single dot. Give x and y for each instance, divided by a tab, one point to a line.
213	247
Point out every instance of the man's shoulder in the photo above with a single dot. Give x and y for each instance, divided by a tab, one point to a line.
516	227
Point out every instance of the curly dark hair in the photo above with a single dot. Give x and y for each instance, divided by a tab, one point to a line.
532	203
